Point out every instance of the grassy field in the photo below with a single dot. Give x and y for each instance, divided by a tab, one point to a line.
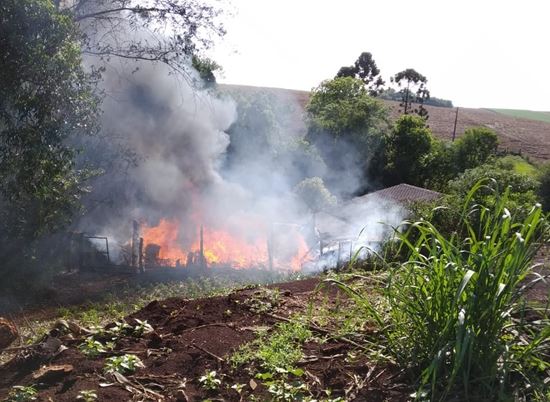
520	165
525	114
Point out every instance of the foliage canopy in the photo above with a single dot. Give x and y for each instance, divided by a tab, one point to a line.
45	99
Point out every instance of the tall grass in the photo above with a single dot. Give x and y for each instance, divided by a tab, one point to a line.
452	311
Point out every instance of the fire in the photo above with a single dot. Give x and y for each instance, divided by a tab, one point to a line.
223	247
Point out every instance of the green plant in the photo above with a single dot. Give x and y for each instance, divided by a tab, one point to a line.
92	348
451	311
20	393
280	349
475	147
263	300
238	388
210	381
124	364
141	328
120	328
282	388
87	395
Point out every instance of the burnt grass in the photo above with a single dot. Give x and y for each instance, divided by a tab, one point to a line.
192	337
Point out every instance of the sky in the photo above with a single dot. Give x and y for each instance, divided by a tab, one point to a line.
477	53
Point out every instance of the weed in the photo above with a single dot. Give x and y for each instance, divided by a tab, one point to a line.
264	300
282	388
280	349
88	395
120	328
92	348
141	328
125	364
91	317
20	393
210	381
238	388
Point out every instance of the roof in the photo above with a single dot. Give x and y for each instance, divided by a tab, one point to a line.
403	194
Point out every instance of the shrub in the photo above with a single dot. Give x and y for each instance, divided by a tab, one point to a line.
475	147
522	195
408	148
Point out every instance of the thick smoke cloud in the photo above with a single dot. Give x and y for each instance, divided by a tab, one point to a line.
170	150
177	136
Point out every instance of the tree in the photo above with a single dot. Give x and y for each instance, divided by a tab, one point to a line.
313	193
440	165
408	147
412	87
206	68
343	108
366	70
164	31
475	147
347	126
46	100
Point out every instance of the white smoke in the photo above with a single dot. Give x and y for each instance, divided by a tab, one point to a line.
174	142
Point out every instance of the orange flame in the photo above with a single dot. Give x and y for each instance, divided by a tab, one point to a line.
221	247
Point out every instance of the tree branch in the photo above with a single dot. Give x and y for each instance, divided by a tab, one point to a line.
116	10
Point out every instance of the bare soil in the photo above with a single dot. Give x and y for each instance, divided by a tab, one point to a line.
192	336
529	137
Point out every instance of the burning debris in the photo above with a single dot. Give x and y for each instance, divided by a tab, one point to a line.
218	247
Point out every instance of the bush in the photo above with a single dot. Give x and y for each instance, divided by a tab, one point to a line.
408	147
522	188
475	147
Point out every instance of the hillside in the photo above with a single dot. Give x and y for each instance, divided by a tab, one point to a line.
524	134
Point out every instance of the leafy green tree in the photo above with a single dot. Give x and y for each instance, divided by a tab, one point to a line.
343	108
263	135
408	148
346	125
413	90
475	147
366	70
46	101
445	214
440	165
313	193
206	69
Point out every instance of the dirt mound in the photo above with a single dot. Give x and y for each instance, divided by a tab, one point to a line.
191	337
